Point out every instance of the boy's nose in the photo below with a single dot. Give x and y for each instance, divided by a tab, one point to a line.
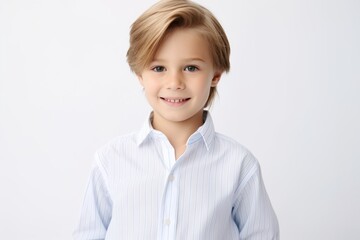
175	81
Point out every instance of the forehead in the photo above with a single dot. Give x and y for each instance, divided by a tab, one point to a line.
183	43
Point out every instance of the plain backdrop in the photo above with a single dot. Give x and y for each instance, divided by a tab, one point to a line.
292	97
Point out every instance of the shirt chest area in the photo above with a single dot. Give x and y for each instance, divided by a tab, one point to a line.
152	187
154	168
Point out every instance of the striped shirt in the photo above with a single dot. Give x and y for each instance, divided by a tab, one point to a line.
138	190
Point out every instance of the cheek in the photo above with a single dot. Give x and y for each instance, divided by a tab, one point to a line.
204	86
151	90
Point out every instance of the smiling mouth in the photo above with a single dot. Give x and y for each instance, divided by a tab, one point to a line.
176	100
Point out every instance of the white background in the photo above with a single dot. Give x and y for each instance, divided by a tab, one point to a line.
292	97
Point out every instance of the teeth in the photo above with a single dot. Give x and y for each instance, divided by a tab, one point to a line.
174	100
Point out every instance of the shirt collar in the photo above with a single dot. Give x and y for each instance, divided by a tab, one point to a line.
206	132
145	130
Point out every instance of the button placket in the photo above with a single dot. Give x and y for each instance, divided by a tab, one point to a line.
170	207
171	177
167	221
170	197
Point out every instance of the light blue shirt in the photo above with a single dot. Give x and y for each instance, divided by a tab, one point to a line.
137	190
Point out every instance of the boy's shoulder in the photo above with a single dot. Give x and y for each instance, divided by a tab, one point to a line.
118	143
237	154
233	149
229	142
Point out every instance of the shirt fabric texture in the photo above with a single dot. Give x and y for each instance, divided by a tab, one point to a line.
138	190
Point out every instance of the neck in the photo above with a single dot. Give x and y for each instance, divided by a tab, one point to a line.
178	132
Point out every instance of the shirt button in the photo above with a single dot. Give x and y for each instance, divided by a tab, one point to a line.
167	221
171	177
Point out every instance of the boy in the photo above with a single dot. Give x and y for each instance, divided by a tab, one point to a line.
177	178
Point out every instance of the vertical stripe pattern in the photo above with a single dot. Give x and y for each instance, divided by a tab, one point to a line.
214	191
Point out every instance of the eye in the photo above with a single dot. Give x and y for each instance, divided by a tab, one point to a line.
158	69
191	68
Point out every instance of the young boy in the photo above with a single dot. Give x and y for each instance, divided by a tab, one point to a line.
177	178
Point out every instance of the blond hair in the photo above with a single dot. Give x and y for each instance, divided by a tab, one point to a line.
148	31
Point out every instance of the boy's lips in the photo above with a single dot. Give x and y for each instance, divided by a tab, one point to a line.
175	100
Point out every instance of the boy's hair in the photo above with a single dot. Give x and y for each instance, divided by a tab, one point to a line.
148	31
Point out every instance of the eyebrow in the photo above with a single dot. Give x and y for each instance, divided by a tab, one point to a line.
195	59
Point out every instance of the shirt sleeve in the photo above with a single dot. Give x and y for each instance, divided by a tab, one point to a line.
252	211
97	206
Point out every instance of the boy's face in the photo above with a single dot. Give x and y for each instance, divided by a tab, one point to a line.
177	82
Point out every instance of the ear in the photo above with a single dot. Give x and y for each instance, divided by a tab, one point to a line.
216	78
141	81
